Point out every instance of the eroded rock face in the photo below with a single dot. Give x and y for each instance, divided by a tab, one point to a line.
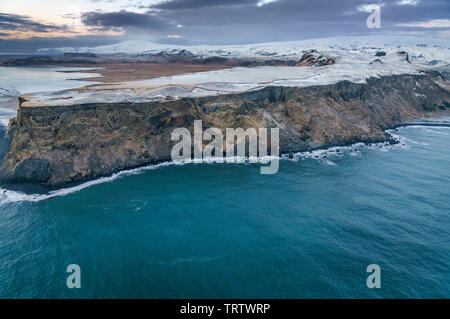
47	60
313	58
405	56
62	144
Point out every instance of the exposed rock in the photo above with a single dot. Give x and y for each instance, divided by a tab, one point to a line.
380	53
80	55
213	59
376	61
47	60
173	53
243	61
313	58
273	62
407	58
405	55
61	144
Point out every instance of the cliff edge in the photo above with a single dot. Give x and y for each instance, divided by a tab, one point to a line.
59	144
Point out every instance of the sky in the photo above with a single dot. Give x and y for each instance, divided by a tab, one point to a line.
27	25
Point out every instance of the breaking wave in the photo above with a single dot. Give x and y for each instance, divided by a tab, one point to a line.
322	155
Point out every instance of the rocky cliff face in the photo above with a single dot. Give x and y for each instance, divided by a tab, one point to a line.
61	144
313	58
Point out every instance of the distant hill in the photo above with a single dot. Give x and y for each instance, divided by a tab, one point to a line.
47	60
80	55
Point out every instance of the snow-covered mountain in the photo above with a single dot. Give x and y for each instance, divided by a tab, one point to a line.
290	49
356	59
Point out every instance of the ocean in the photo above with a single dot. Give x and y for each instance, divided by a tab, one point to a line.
226	231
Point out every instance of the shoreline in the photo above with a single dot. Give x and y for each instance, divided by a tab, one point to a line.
70	188
54	145
66	189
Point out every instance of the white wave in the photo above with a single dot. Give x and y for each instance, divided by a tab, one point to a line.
329	163
10	196
437	132
337	151
323	155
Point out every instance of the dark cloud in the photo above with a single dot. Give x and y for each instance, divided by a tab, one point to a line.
33	44
240	21
232	21
12	22
243	21
285	11
123	19
424	10
195	4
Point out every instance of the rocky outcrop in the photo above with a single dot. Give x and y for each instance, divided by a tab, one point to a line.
243	62
48	60
174	56
313	58
80	55
405	56
61	144
376	61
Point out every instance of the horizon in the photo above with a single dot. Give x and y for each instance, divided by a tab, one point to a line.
194	45
26	26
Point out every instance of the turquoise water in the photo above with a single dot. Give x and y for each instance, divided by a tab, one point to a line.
225	231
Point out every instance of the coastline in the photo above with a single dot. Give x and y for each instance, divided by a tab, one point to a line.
26	192
101	139
143	214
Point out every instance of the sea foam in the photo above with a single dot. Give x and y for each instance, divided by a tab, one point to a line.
11	196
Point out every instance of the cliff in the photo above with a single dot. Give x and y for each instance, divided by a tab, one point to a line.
54	145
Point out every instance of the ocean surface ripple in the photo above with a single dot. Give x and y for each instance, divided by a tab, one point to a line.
226	231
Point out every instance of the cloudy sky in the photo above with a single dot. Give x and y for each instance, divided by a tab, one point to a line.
26	25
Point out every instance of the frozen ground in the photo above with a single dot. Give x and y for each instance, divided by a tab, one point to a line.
287	49
355	61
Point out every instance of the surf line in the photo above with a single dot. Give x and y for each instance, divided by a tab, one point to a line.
425	124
